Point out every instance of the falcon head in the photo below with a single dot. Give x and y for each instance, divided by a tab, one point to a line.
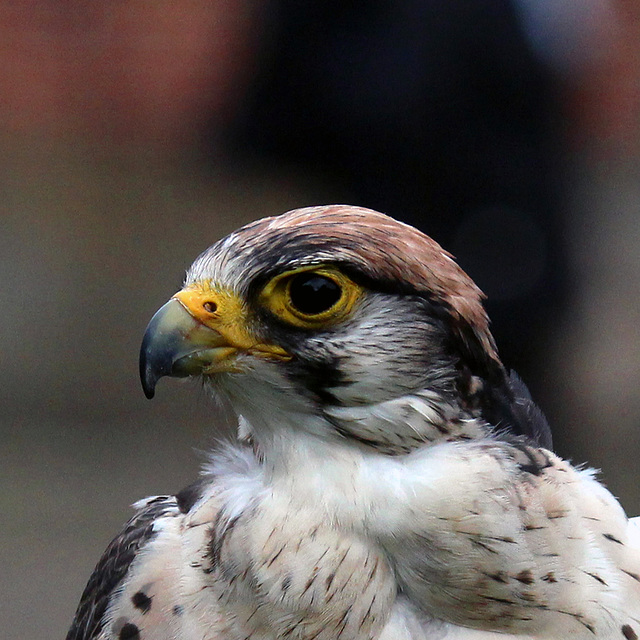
341	323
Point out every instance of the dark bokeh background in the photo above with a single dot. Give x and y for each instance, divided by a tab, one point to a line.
132	135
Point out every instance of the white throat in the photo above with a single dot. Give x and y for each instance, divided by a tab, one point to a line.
322	454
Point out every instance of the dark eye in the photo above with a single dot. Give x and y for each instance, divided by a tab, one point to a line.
312	294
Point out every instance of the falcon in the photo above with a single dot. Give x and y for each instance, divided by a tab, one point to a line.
390	480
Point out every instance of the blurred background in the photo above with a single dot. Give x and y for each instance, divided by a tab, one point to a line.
133	135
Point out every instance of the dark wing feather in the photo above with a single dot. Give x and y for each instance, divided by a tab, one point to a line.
513	412
113	567
528	414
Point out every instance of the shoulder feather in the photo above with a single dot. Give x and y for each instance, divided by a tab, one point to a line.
113	566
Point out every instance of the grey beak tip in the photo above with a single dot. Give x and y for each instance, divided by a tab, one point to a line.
149	374
161	345
147	377
167	346
149	388
149	392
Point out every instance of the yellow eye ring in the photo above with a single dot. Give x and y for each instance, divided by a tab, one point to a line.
323	299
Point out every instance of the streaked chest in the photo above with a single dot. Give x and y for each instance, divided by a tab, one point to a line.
279	566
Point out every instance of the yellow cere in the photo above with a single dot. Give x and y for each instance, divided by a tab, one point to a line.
212	305
218	309
226	314
276	297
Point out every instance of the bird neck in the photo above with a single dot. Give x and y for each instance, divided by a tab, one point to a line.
401	425
312	437
305	462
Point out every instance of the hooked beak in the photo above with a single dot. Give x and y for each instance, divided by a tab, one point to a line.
176	344
199	331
